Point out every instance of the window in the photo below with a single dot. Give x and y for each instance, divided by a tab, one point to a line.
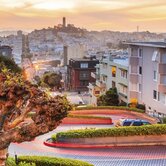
155	56
113	84
155	75
137	124
113	71
126	123
105	78
140	87
162	98
123	73
123	89
155	94
84	75
140	52
84	65
140	70
84	83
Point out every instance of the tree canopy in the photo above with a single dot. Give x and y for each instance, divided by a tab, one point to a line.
51	80
10	64
18	97
110	98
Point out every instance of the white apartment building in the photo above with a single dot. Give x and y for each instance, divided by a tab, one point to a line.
110	73
147	75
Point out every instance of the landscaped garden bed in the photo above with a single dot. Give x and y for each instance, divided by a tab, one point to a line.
45	161
122	136
112	108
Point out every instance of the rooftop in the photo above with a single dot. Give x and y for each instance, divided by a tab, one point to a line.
148	44
121	61
81	59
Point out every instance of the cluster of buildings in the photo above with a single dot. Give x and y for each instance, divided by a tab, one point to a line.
87	61
141	76
15	43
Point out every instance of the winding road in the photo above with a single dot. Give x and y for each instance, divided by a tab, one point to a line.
119	156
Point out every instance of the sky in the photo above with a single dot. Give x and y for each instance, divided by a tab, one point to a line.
115	15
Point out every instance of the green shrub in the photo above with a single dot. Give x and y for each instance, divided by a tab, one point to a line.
87	117
156	129
164	120
112	108
110	98
141	106
51	161
11	162
53	137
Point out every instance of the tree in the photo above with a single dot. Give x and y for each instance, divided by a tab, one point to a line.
109	99
10	64
18	97
52	80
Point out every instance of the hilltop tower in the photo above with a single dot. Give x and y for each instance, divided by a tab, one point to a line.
64	22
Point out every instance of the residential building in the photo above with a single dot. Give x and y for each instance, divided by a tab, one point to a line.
6	51
147	75
110	72
79	73
73	51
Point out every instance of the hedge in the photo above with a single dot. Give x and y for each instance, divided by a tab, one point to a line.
50	161
87	116
11	162
111	107
156	129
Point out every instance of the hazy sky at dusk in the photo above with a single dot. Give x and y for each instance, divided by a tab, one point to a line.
123	15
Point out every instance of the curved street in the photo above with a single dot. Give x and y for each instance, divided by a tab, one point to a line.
119	156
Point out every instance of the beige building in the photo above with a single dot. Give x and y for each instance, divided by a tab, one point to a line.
73	51
110	73
147	75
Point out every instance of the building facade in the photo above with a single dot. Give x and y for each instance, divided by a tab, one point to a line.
79	73
147	76
110	73
6	51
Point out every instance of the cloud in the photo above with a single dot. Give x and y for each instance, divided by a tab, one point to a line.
122	15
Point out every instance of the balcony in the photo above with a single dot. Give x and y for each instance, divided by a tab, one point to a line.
162	68
134	61
162	88
94	75
101	84
91	86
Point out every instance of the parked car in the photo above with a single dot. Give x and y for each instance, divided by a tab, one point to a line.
132	122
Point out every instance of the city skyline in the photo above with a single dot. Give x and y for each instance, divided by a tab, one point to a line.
116	15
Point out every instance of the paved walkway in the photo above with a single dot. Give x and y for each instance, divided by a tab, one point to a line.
128	156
